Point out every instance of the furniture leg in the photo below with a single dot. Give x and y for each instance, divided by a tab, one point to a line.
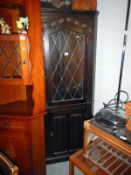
71	168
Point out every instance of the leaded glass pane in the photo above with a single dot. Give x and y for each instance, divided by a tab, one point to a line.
66	57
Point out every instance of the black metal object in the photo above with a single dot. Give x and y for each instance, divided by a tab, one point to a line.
123	53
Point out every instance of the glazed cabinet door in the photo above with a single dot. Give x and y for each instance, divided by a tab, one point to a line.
68	57
56	136
15	63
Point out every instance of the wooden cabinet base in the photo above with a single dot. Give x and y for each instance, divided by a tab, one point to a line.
22	141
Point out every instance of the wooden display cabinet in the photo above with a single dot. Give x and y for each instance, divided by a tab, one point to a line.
69	48
22	91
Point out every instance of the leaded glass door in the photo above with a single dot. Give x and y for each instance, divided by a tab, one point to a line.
67	64
65	60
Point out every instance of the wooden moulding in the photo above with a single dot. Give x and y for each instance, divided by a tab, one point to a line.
84	4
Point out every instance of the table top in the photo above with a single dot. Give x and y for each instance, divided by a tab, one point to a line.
119	137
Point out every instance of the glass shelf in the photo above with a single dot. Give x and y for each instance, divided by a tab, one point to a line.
121	133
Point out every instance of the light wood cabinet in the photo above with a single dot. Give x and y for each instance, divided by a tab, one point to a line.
22	91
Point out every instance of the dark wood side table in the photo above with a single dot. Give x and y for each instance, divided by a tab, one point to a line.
107	154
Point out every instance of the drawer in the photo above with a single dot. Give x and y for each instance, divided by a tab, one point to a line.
17	125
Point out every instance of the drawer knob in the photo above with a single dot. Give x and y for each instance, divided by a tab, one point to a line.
5	125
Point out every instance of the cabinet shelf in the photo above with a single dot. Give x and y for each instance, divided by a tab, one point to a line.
14	59
14	108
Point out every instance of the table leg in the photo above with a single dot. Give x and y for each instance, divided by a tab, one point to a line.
71	168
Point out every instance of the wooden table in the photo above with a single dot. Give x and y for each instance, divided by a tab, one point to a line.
105	155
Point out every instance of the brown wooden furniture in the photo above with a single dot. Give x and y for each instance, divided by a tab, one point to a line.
22	90
7	166
90	128
84	4
104	156
69	48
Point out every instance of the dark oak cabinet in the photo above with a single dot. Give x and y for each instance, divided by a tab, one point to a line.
69	49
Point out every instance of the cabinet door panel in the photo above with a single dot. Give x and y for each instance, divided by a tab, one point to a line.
15	64
76	131
49	135
69	53
60	134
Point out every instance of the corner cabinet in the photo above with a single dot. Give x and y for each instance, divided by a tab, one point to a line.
22	91
69	49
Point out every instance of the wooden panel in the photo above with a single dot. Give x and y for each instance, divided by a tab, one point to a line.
10	16
26	67
33	11
11	93
11	2
12	142
60	134
23	142
38	145
76	131
84	4
21	108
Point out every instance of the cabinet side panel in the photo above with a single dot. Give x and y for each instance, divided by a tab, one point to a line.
36	54
38	145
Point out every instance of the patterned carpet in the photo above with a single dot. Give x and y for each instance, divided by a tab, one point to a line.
60	169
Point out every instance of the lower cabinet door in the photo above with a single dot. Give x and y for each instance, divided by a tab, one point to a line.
16	147
60	137
64	135
76	131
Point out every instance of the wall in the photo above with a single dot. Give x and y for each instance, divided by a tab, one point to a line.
110	32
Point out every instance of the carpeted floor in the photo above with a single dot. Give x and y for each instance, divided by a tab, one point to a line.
60	169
